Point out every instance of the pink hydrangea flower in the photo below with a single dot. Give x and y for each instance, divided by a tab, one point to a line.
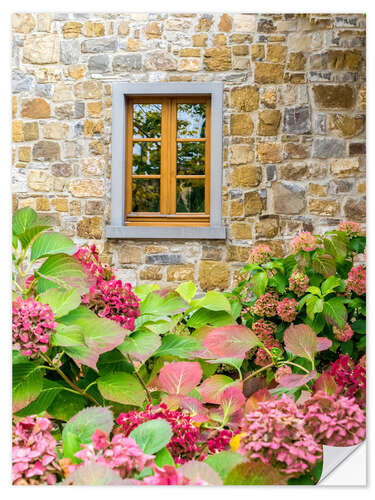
34	452
351	229
287	309
169	475
298	283
281	371
350	378
122	454
88	256
184	443
334	421
32	325
265	330
356	281
343	334
260	254
266	305
304	241
114	300
274	433
262	357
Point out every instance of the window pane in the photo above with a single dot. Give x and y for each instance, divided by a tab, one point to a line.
191	120
146	158
146	195
190	195
146	120
190	158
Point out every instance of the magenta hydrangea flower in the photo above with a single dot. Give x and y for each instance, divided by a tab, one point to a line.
334	421
169	475
220	441
122	454
304	241
266	305
351	229
32	325
274	433
183	445
88	256
350	378
287	309
114	300
260	254
298	283
281	371
34	452
263	328
343	334
356	281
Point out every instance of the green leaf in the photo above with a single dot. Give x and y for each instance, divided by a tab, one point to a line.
61	301
254	473
87	421
51	244
94	474
63	271
336	311
36	228
23	219
330	284
278	281
49	391
155	303
187	290
71	338
317	324
27	384
336	246
163	457
178	346
71	444
289	264
347	347
113	361
17	357
359	326
224	462
215	301
143	290
140	345
235	307
324	264
63	407
152	436
314	290
121	388
258	283
358	244
204	317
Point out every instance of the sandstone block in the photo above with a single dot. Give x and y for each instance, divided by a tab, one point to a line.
346	126
268	122
35	108
246	176
267	226
30	131
252	203
268	73
276	53
87	188
46	151
333	96
213	275
41	49
39	180
88	89
245	98
345	167
241	230
94	29
55	130
241	154
17	131
60	204
225	23
90	228
355	210
328	208
218	59
151	273
183	272
130	254
23	23
244	23
288	199
92	166
71	29
269	152
241	124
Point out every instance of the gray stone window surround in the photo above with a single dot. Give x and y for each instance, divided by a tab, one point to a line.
118	229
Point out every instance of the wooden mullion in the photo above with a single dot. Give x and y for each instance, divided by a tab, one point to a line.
128	157
173	156
207	170
164	156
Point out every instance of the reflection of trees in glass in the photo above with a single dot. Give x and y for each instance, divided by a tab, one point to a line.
190	158
190	196
146	158
146	195
191	120
146	120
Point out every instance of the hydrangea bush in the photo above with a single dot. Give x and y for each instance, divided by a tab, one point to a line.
150	386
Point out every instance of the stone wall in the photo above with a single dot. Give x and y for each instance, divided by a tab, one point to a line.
294	126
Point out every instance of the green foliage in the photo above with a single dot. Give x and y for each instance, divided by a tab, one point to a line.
122	388
152	436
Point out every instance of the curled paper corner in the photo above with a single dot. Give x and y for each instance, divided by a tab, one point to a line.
333	456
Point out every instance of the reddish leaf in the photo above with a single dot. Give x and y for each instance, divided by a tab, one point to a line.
196	471
257	397
253	384
173	401
255	473
325	383
193	405
231	341
296	379
180	377
323	343
232	400
212	387
301	340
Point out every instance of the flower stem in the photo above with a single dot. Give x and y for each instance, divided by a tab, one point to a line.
139	378
253	374
69	382
297	365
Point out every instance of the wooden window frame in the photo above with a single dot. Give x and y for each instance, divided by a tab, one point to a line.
188	226
168	170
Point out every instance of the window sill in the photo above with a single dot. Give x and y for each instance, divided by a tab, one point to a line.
172	233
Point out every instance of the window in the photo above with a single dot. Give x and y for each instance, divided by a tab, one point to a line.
166	161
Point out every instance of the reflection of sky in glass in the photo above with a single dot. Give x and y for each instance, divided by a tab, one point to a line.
191	120
146	158
146	120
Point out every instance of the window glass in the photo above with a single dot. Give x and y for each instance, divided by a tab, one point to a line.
190	158
190	196
146	195
191	120
146	121
146	158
